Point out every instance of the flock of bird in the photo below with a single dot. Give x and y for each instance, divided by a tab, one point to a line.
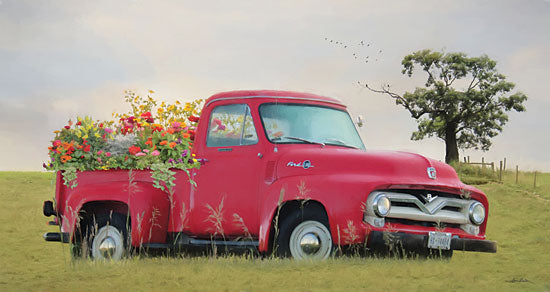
359	46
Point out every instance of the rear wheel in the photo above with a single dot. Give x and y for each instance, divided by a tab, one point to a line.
305	235
108	237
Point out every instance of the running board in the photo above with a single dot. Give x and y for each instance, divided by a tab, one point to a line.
184	241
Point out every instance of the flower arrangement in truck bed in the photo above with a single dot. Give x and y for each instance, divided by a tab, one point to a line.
150	136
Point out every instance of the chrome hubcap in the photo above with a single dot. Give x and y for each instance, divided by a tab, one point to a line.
310	243
107	247
108	243
310	240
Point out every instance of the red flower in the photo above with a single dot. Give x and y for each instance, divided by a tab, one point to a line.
134	149
87	148
193	119
78	123
148	117
67	127
101	125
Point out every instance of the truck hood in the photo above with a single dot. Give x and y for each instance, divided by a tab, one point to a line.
388	167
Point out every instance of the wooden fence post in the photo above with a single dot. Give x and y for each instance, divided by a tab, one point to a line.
493	166
465	161
482	162
468	158
535	181
504	163
500	172
517	171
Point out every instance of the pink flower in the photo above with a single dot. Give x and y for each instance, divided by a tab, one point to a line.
108	130
140	154
99	152
108	154
155	153
146	150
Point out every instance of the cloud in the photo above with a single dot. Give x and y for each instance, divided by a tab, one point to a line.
61	59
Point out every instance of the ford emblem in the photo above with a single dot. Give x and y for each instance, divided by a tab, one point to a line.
432	173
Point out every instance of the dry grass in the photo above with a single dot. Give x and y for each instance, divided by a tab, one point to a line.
519	221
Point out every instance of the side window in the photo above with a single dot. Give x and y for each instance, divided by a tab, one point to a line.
231	125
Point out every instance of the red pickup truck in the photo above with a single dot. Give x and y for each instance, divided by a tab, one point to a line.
293	179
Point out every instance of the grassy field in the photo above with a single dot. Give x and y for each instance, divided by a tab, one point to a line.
519	220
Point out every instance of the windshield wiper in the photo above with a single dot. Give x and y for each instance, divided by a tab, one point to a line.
303	140
341	143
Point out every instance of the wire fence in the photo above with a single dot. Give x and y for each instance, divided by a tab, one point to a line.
501	171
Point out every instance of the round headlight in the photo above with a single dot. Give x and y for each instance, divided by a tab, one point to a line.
477	213
381	205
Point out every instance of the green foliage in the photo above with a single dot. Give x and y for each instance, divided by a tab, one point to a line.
464	99
69	177
161	173
474	175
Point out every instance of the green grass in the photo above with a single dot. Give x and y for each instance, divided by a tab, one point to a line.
519	220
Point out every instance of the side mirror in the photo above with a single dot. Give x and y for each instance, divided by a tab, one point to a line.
360	121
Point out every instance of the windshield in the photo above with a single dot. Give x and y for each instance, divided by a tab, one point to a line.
299	123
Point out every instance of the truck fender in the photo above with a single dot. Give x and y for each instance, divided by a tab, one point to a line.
148	207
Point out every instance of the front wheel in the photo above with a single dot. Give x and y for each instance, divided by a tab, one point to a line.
109	237
305	235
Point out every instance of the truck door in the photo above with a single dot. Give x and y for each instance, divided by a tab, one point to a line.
225	202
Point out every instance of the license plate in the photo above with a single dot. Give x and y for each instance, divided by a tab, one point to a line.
439	240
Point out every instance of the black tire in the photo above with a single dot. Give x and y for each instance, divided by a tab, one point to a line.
108	237
308	220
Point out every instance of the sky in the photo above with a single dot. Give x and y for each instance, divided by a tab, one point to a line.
62	59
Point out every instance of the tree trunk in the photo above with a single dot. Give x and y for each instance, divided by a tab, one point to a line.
451	147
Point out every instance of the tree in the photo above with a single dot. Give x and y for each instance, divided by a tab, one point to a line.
464	101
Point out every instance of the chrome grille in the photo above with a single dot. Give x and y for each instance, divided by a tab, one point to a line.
423	208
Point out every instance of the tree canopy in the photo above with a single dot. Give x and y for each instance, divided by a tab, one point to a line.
464	100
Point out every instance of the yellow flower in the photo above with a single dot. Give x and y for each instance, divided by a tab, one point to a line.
97	135
85	136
